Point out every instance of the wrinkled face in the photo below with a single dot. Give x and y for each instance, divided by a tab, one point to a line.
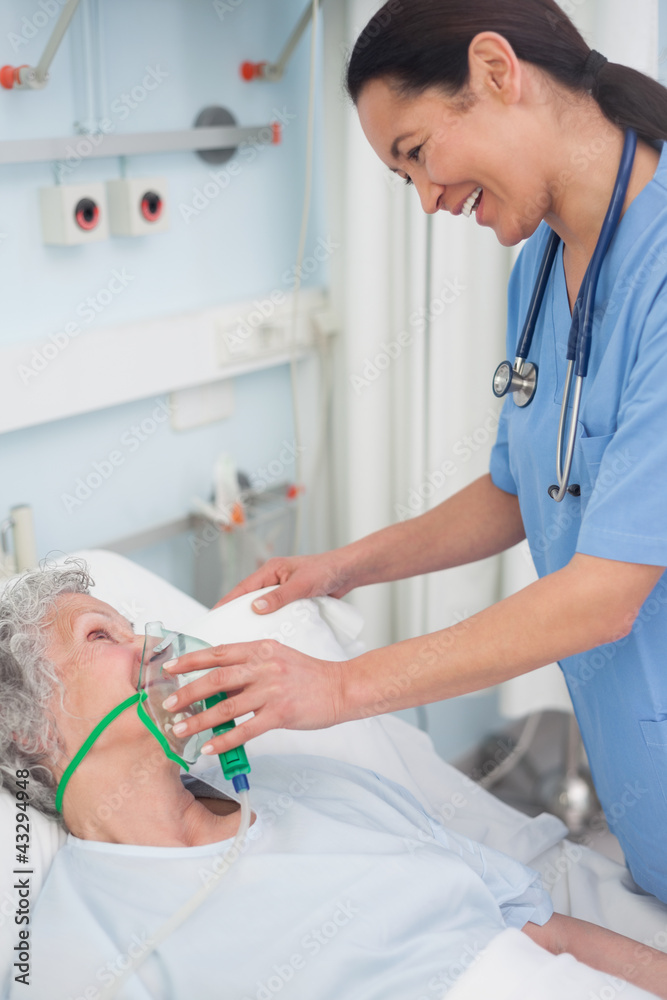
458	153
98	657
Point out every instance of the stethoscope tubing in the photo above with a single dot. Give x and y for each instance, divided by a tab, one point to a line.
546	267
583	315
579	347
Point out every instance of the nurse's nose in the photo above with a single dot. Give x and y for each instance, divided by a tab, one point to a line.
429	194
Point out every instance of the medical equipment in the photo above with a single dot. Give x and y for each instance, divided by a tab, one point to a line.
159	685
521	378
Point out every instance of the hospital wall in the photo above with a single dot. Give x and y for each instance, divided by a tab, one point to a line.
240	244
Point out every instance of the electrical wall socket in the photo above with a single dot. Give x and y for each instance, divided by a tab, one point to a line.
138	206
73	214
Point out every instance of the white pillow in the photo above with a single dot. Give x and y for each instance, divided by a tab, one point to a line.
324	628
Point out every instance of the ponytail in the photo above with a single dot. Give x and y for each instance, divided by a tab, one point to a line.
419	44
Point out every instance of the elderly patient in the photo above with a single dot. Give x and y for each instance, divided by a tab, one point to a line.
345	889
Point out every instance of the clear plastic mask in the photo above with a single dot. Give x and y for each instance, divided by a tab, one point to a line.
160	646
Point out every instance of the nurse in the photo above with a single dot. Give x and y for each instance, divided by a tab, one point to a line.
499	109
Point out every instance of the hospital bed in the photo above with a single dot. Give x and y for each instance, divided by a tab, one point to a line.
582	882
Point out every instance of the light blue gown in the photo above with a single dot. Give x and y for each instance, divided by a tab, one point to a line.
347	890
619	690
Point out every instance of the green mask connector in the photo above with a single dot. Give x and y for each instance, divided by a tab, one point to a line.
233	762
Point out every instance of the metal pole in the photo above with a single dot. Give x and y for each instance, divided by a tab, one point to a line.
277	69
53	44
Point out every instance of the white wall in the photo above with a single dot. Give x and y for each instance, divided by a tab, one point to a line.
241	246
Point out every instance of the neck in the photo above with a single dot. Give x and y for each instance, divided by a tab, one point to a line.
584	162
141	800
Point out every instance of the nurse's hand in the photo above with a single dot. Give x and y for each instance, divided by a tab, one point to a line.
284	688
297	577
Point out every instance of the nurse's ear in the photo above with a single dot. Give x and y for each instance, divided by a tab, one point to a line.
495	70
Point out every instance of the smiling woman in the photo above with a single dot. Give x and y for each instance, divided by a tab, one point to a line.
468	101
426	44
500	108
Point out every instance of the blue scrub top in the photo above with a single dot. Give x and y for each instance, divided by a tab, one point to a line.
619	691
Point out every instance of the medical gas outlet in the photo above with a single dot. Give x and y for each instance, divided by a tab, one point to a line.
73	214
138	206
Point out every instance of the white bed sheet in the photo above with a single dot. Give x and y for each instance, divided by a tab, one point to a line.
513	967
583	883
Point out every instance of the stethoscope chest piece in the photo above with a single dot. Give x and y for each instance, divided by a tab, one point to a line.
521	380
521	377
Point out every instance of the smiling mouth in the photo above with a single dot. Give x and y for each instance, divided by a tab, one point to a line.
472	204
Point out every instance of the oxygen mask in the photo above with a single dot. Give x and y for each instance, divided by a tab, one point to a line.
161	646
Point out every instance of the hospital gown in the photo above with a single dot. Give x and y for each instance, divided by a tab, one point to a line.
619	691
347	890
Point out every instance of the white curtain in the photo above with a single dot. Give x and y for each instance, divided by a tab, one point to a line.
417	401
416	415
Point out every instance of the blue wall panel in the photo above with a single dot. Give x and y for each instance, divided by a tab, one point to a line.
242	244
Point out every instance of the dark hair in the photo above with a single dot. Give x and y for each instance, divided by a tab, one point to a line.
419	44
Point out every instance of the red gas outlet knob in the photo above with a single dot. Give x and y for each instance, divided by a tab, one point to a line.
252	71
9	76
151	206
87	214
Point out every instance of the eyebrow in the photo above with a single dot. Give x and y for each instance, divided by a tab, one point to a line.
107	615
395	144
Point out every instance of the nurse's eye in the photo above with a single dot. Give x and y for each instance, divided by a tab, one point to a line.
408	180
414	153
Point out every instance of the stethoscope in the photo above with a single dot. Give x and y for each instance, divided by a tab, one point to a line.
521	378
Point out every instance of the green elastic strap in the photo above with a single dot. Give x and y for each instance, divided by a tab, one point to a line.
135	699
150	725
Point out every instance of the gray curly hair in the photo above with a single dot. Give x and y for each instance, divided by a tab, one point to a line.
28	736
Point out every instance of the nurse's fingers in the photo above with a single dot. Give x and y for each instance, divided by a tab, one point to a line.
221	713
240	735
231	681
220	656
288	689
265	576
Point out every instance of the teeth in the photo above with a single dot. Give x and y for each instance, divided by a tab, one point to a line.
470	204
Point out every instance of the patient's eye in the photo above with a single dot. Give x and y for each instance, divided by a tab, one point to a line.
99	633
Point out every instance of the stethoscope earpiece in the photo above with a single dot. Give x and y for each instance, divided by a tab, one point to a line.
554	492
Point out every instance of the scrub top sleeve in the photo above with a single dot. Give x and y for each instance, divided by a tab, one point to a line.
626	515
500	461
